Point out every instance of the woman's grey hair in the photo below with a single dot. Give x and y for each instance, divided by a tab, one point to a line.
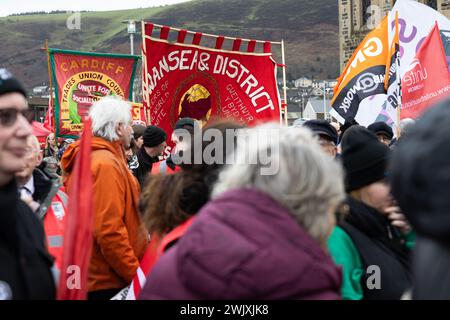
308	182
406	125
107	114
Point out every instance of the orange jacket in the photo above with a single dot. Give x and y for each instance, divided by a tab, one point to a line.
120	238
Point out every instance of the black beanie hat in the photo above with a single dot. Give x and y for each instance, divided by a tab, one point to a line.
420	173
9	84
364	158
153	136
381	128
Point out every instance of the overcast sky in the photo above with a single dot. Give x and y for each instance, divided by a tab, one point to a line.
8	7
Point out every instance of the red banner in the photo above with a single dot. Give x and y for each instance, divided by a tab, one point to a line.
203	83
83	78
427	81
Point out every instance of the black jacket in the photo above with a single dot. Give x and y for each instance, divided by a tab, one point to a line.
45	188
379	244
431	269
42	185
25	264
145	166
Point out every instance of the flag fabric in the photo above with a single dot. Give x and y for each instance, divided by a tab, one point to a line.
415	20
41	132
363	77
81	78
49	117
392	78
78	234
427	80
189	80
386	117
139	116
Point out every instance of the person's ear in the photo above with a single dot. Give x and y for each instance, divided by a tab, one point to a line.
39	158
335	150
119	130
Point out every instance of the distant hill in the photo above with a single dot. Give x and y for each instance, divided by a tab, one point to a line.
309	28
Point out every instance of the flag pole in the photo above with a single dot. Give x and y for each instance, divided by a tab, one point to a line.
50	81
215	36
399	80
283	61
145	96
50	84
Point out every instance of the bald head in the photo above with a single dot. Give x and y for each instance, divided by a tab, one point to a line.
33	142
33	159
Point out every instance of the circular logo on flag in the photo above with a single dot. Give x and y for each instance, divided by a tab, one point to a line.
80	92
196	97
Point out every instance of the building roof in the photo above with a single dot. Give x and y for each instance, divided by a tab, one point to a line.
40	88
303	78
317	104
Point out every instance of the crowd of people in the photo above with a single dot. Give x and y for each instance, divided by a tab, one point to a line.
349	213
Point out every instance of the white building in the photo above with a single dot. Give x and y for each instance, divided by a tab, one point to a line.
303	83
40	90
332	83
327	83
315	107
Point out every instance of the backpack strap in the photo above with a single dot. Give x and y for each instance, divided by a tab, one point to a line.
43	208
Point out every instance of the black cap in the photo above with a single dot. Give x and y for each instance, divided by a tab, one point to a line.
420	173
9	84
365	159
381	127
181	123
322	127
153	136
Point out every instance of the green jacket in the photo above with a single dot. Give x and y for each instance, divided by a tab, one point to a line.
344	253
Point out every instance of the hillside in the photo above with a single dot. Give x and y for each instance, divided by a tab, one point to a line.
309	28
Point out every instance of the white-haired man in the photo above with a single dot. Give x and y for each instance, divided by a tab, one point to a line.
25	266
43	193
120	239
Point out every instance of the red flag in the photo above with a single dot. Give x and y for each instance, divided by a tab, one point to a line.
48	122
79	227
428	79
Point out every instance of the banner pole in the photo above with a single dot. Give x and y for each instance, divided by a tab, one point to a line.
216	36
284	83
399	80
399	104
50	84
145	96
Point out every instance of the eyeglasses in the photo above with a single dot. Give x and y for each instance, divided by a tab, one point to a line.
8	116
326	143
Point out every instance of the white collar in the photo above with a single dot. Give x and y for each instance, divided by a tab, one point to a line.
30	185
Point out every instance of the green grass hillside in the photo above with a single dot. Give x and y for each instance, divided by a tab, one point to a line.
309	28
